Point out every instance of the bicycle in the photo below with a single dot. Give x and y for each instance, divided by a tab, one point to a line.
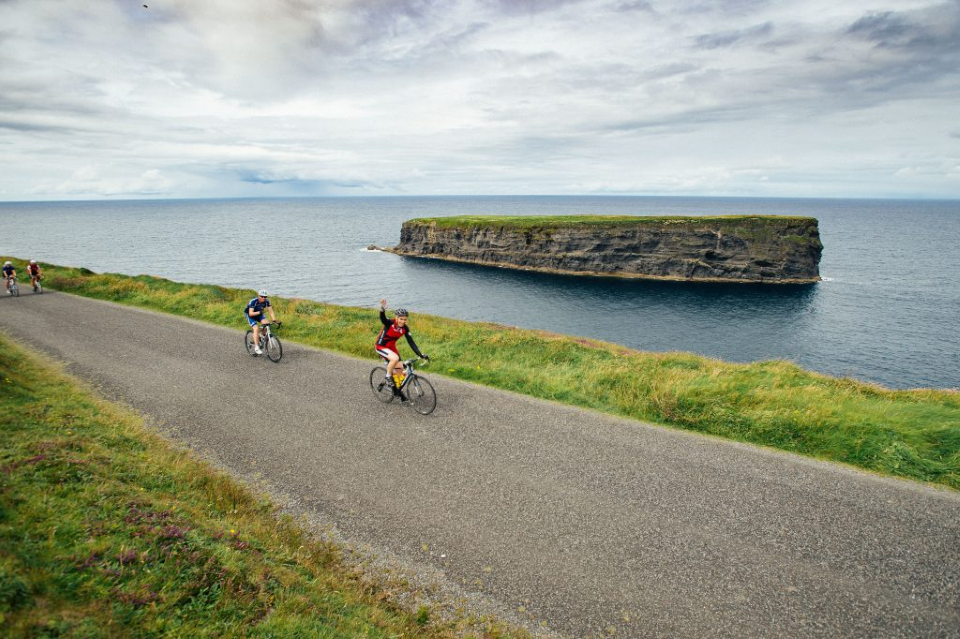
415	390
269	344
12	289
38	287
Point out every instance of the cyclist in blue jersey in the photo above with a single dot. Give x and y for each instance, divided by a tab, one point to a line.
254	312
8	272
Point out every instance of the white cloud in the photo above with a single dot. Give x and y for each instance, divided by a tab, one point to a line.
222	98
91	180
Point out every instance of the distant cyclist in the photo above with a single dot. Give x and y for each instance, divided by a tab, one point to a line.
36	273
254	314
387	341
8	272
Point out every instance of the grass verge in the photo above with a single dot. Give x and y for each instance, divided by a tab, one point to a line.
107	531
907	433
545	222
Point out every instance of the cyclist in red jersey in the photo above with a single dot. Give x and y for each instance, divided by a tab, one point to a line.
387	340
35	273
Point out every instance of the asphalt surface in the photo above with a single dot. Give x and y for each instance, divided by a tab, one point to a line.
590	523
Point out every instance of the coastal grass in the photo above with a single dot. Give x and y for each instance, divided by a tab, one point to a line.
905	433
547	222
108	531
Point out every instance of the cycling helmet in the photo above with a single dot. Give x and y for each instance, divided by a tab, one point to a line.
33	261
262	292
8	263
401	312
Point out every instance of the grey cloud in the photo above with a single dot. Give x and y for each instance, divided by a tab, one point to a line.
636	5
67	98
728	38
934	29
444	46
617	76
529	6
259	178
921	49
376	20
680	122
883	28
724	7
312	181
613	79
668	70
13	125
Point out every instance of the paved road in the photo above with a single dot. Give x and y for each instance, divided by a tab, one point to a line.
589	522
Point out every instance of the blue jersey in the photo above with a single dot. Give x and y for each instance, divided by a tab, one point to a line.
8	271
256	305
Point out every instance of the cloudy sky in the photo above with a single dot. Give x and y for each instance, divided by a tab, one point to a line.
219	98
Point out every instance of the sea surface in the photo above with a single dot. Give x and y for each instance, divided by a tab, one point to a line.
887	312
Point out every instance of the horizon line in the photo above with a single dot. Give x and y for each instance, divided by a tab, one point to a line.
487	196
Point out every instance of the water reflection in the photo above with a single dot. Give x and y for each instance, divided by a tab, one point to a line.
740	322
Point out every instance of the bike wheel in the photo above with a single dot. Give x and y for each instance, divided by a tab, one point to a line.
39	289
15	290
382	387
274	349
421	394
248	342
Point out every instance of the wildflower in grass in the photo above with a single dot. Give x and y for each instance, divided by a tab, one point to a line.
173	532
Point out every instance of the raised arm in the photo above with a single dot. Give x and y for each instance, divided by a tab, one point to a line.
383	313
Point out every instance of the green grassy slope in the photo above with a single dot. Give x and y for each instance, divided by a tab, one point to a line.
107	531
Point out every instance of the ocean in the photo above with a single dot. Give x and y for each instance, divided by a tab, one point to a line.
886	312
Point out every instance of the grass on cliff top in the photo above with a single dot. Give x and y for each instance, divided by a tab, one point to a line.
567	221
107	531
907	433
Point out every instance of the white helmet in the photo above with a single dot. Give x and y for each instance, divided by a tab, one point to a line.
262	292
8	263
33	261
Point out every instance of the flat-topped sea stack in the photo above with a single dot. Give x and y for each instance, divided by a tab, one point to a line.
748	248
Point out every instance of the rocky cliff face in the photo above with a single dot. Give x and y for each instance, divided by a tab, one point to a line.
766	249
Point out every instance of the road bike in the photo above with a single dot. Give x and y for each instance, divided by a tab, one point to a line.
12	289
269	343
415	390
37	286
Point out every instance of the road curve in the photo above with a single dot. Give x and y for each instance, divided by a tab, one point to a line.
592	523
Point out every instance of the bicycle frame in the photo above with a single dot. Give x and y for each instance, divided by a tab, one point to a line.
265	333
408	370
